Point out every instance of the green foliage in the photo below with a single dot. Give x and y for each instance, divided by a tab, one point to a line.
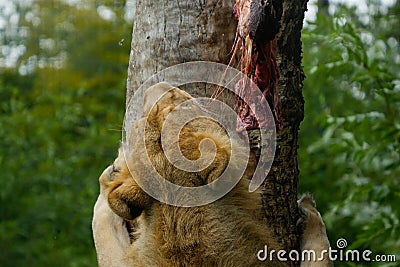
61	116
350	139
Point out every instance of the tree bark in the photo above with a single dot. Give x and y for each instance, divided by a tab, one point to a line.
169	32
280	187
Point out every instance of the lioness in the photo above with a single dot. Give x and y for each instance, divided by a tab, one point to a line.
227	232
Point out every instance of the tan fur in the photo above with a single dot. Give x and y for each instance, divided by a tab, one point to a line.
109	232
227	232
314	235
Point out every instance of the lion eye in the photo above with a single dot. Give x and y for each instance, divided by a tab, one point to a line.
114	168
113	172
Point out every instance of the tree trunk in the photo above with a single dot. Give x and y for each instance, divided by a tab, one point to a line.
280	187
168	32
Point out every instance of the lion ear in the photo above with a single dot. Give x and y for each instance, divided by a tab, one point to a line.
153	95
216	168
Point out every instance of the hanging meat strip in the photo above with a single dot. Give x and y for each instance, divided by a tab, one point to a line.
258	25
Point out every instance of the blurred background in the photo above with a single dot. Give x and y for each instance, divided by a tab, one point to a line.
349	154
63	66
